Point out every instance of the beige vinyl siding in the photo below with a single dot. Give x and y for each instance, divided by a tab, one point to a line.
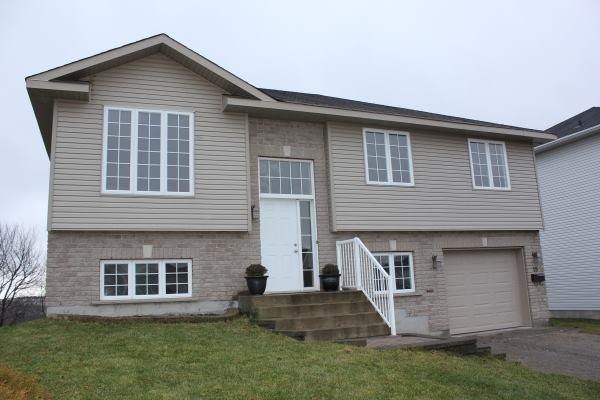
443	197
220	201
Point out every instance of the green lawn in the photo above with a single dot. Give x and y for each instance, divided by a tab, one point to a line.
236	360
584	325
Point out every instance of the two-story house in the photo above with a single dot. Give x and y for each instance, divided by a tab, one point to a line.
169	175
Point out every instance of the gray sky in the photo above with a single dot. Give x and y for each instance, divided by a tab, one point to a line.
529	64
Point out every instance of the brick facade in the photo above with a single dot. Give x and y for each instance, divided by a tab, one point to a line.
219	259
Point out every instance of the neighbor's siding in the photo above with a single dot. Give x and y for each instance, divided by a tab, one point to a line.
442	198
220	202
570	190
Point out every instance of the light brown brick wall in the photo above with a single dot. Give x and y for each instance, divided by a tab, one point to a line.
219	259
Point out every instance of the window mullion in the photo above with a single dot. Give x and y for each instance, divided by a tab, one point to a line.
161	279
388	158
392	270
134	152
489	164
131	279
163	152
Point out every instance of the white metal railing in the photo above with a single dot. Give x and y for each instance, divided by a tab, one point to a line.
360	270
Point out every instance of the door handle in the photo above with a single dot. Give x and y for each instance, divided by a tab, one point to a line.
295	251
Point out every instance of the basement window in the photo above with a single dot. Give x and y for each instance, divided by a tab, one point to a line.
145	279
147	152
400	267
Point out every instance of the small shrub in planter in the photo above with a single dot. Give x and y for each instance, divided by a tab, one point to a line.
330	278
256	278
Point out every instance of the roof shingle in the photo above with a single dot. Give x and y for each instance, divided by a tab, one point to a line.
579	122
353	105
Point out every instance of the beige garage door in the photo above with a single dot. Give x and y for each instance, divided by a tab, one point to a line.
485	290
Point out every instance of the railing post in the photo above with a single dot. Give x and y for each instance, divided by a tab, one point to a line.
357	272
338	250
392	317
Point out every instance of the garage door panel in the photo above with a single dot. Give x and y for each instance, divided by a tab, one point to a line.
484	290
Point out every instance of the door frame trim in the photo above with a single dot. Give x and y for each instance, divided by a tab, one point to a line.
297	198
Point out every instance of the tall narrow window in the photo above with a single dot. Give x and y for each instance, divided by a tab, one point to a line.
388	157
148	152
489	165
148	155
178	153
306	239
118	150
376	157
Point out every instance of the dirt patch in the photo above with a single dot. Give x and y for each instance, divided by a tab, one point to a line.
555	350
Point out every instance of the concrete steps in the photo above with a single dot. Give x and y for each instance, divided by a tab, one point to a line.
316	316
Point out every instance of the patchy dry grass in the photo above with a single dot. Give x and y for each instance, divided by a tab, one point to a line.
237	360
17	386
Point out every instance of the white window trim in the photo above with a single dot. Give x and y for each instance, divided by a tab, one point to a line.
131	279
388	158
489	164
393	271
134	147
288	196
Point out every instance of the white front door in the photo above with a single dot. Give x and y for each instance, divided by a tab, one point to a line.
279	238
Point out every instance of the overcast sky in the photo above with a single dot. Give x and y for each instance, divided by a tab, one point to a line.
524	63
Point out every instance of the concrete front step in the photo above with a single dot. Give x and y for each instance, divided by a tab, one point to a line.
315	316
313	310
322	322
283	299
335	334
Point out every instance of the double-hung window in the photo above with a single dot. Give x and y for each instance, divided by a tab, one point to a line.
122	280
147	152
388	157
400	267
489	164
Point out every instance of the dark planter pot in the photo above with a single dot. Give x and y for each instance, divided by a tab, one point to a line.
330	283
256	284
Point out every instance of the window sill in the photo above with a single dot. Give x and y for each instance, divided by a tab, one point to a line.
142	194
391	184
408	294
492	189
142	301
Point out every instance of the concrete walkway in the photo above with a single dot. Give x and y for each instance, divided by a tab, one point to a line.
555	350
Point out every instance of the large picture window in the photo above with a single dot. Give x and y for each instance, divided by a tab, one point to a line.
388	157
147	152
145	279
489	164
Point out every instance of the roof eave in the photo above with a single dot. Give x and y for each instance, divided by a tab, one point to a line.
42	95
568	139
279	109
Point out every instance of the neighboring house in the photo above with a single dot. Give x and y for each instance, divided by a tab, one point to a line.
169	175
569	174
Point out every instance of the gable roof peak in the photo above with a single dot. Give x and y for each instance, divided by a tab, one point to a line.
157	43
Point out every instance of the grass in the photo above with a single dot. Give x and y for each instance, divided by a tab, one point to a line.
237	360
584	325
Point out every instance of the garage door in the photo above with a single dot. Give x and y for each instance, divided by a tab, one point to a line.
485	290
